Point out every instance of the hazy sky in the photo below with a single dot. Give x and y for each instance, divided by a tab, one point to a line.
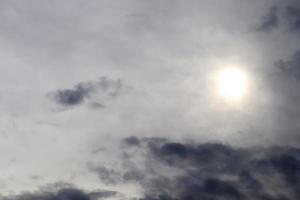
112	99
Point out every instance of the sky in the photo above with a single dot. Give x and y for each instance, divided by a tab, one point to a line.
118	100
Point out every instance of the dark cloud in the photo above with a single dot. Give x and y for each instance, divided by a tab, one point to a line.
218	171
290	17
132	141
133	175
71	97
290	68
64	194
213	171
270	21
289	166
293	17
106	175
84	91
190	171
173	153
96	105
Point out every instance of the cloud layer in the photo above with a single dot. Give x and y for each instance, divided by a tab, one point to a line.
63	194
144	70
213	171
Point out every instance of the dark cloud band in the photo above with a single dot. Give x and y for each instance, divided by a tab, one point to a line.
210	171
64	194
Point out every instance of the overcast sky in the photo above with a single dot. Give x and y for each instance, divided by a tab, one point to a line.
112	99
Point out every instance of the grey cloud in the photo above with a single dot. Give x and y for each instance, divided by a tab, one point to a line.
71	97
132	141
111	176
290	68
191	171
289	17
214	171
64	194
133	175
106	175
168	48
83	91
282	82
207	164
270	21
293	17
96	105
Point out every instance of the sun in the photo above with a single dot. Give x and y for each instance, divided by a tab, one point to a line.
232	83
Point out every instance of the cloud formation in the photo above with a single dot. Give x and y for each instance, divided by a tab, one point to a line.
293	17
285	14
83	91
63	194
166	170
212	171
270	21
290	68
71	97
168	50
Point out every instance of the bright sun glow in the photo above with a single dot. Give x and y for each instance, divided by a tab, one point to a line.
232	83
